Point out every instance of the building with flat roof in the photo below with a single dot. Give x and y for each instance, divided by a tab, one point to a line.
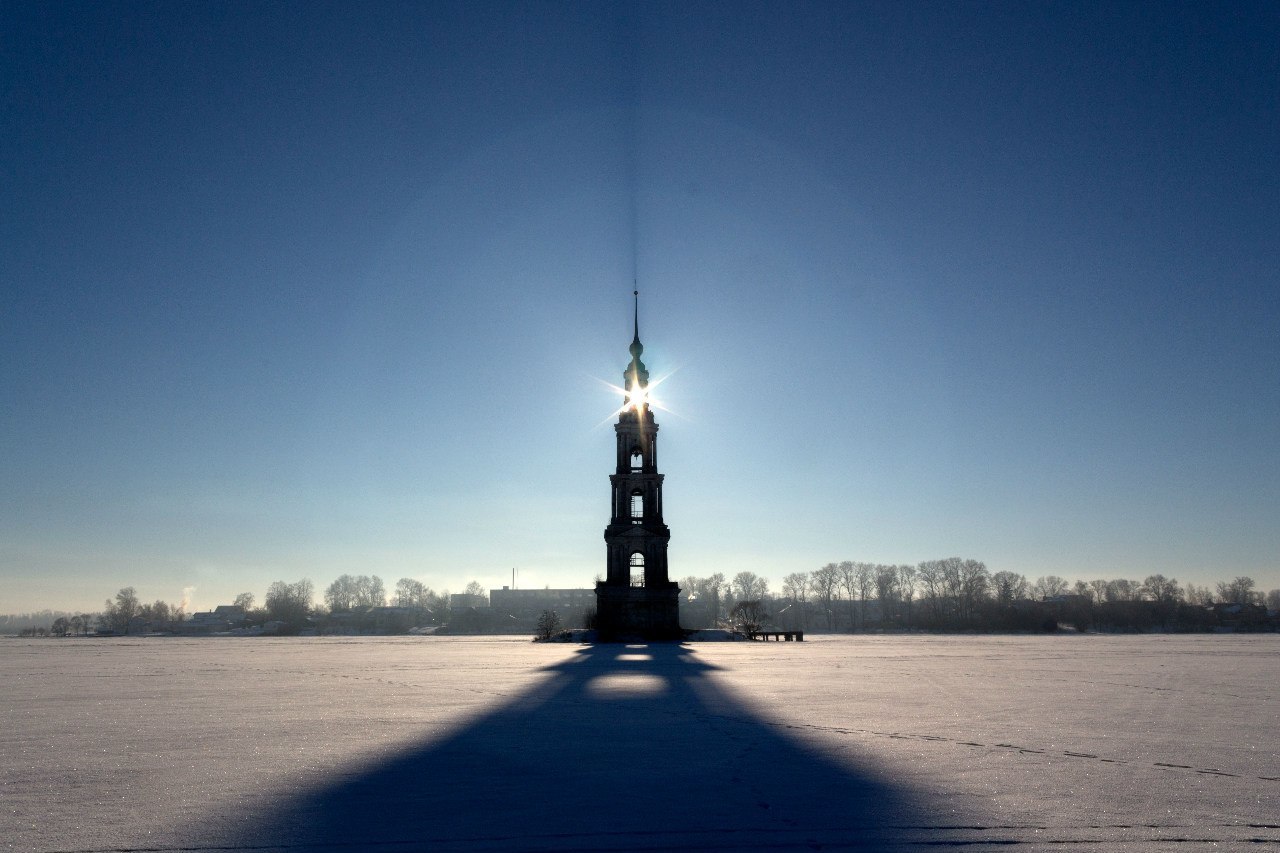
524	603
466	601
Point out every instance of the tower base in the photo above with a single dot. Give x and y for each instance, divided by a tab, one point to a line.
638	613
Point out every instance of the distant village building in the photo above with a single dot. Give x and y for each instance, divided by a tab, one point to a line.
382	619
1234	616
467	601
224	617
569	604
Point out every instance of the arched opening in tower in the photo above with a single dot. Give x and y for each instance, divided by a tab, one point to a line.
637	569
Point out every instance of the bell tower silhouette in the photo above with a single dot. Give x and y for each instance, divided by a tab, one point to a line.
636	600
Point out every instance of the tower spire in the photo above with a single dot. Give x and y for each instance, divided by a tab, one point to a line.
636	374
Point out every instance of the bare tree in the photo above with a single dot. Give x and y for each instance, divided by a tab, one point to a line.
824	582
438	604
1099	588
866	577
1129	589
1048	586
290	603
907	588
952	579
711	587
119	613
932	585
412	593
886	589
748	585
1166	594
160	615
795	586
1199	596
1161	589
849	583
351	591
339	595
1009	587
1273	599
548	625
1238	591
476	588
748	616
244	600
975	583
370	591
696	602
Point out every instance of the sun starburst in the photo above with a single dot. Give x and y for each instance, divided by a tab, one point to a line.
638	397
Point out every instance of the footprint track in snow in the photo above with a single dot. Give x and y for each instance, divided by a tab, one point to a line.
1026	750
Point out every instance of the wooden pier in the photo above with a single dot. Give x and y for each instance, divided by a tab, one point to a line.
778	636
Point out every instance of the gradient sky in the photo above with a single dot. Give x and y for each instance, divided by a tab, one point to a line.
298	289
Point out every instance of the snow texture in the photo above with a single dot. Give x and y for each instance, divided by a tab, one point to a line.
452	743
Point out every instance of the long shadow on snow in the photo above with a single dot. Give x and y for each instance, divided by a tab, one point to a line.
624	747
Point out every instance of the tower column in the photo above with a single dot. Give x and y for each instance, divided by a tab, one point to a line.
637	599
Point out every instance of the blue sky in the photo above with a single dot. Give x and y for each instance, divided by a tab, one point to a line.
309	289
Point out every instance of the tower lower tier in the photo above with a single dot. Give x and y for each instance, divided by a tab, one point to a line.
638	612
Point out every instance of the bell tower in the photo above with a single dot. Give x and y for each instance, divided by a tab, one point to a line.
636	600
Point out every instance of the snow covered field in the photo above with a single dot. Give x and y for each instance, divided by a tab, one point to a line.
441	744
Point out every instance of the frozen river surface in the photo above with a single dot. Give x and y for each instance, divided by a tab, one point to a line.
442	744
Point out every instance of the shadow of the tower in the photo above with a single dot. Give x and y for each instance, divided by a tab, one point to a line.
622	748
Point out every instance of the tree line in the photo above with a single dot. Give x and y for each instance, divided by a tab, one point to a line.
287	607
939	595
963	594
